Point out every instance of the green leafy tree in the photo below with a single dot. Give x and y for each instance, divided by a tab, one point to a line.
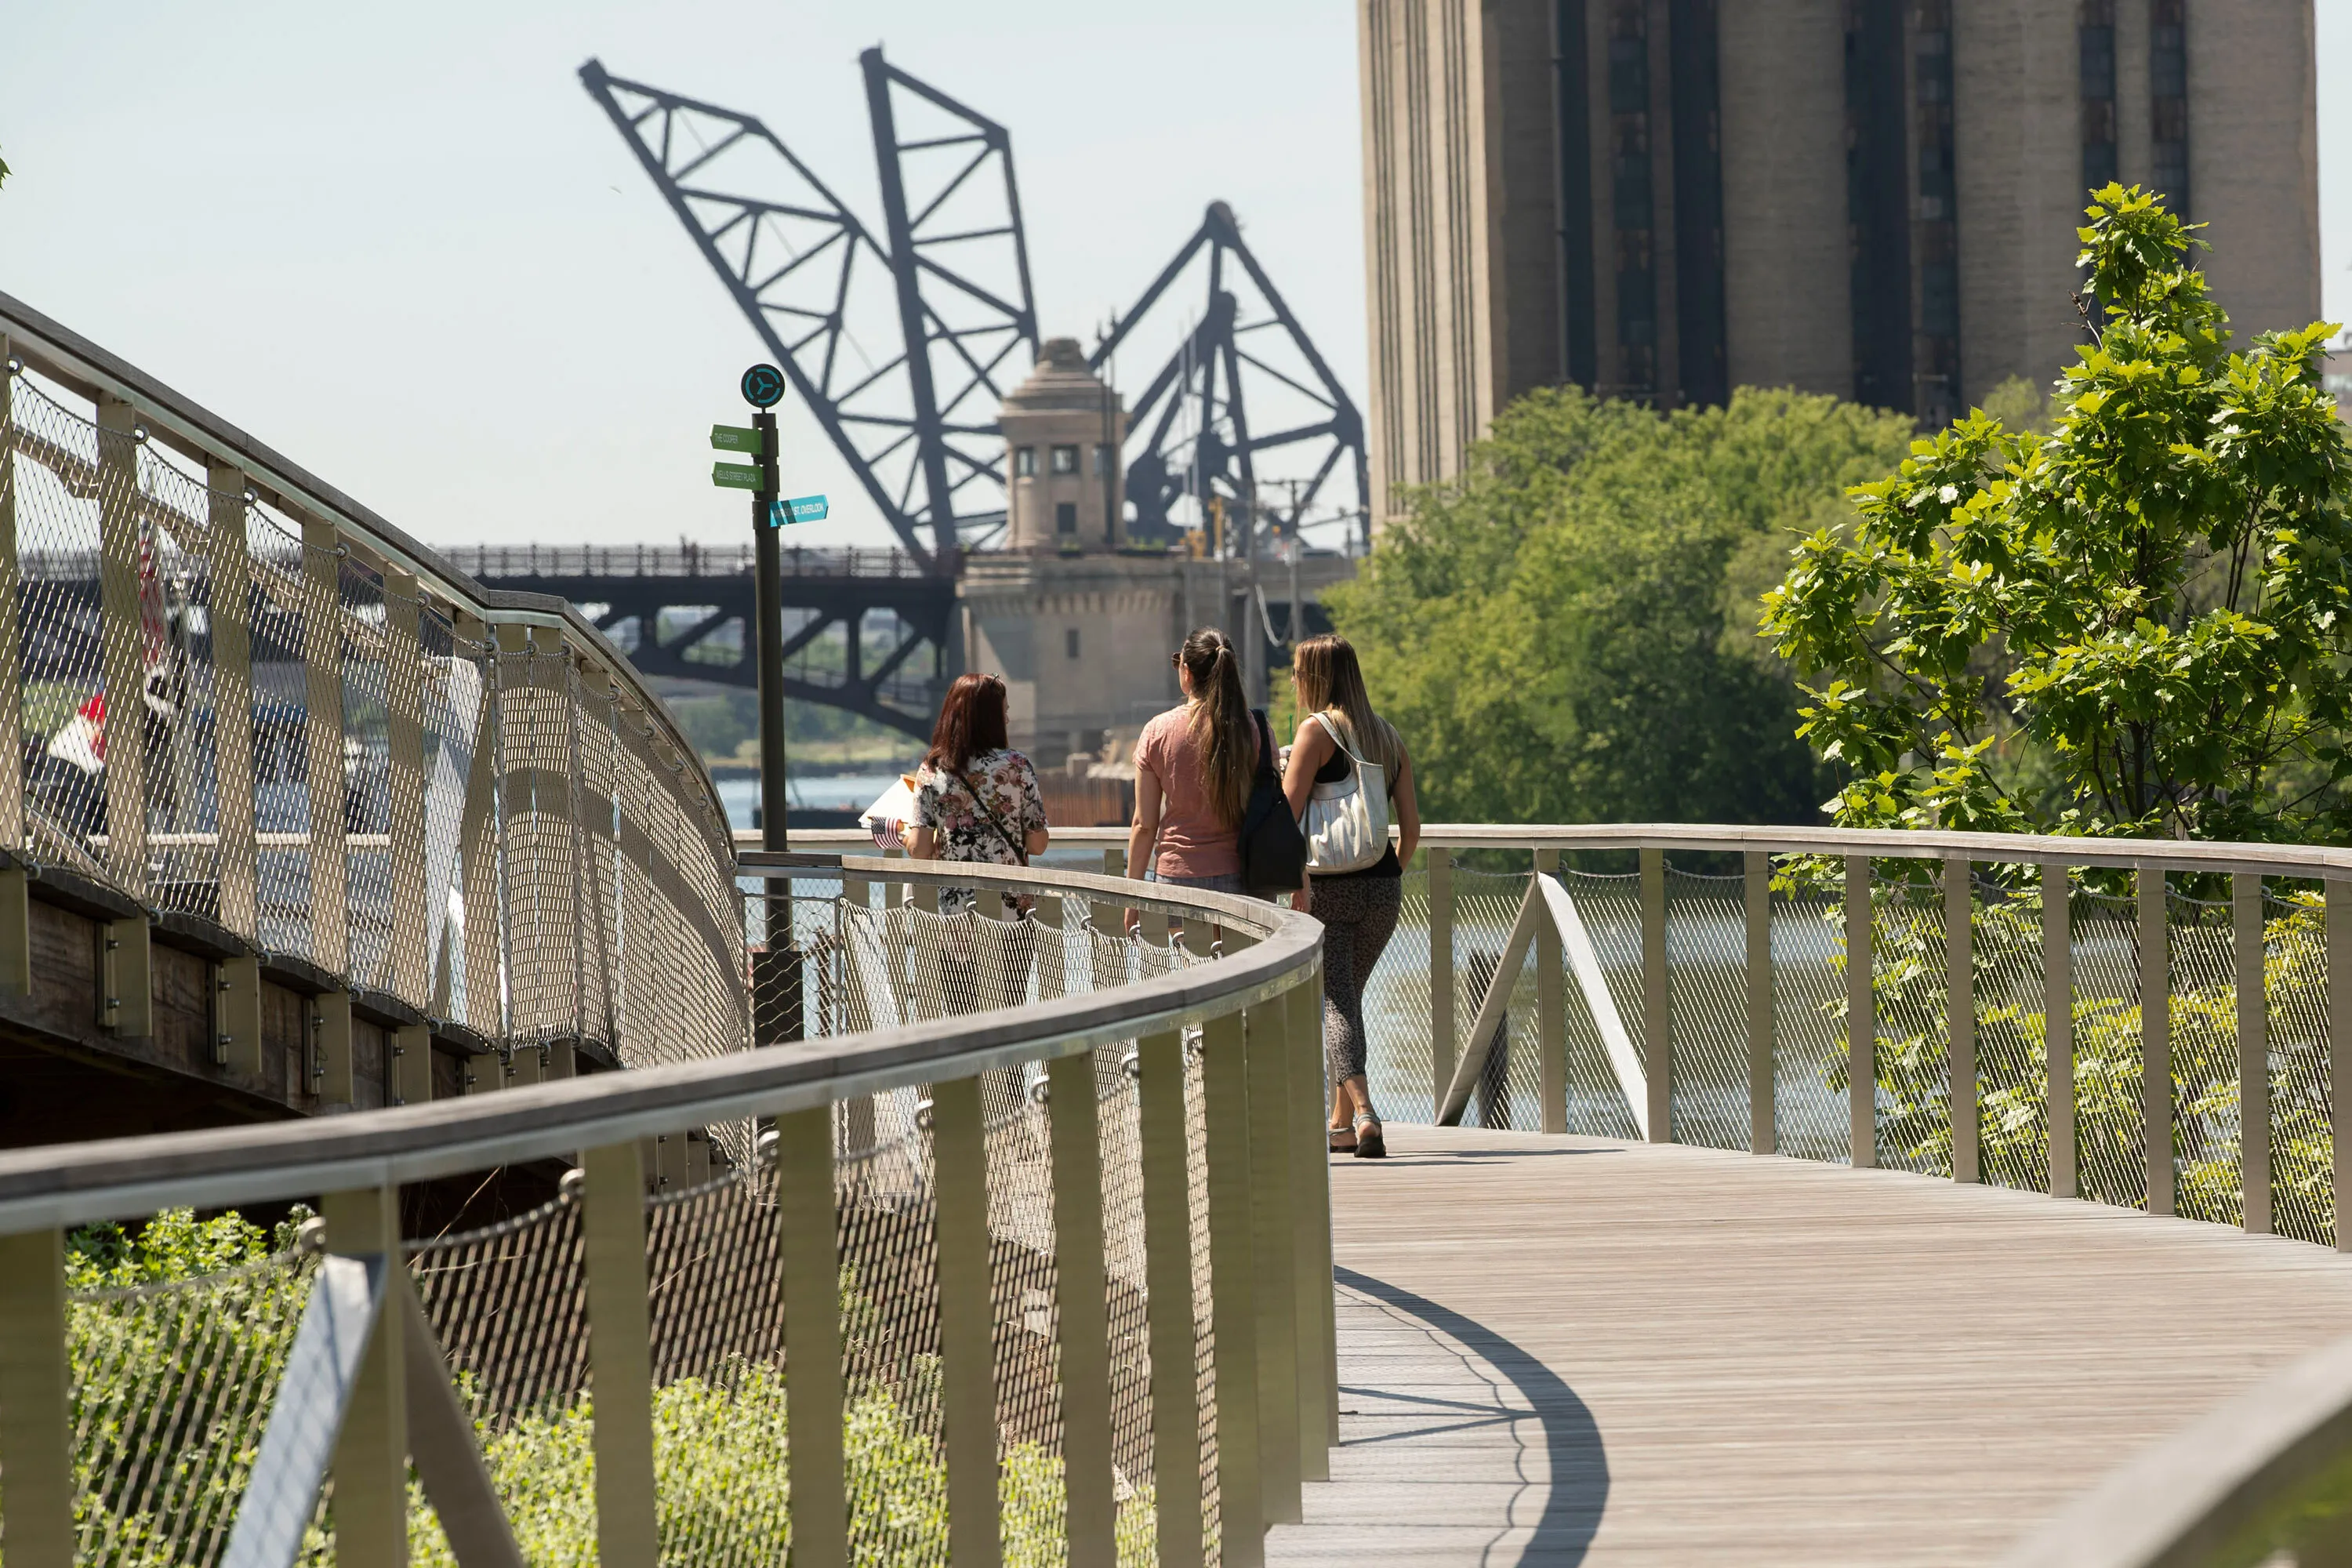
2136	625
1565	633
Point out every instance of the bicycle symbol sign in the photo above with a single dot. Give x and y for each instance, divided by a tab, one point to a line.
763	386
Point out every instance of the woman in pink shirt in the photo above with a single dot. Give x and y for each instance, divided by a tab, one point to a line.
1192	773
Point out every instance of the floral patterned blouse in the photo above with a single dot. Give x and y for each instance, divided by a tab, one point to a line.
943	803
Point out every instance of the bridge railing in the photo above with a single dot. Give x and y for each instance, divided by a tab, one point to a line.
1022	1256
684	560
244	717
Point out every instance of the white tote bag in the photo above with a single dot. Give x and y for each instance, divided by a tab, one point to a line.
1347	821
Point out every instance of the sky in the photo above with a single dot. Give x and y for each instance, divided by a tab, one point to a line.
403	244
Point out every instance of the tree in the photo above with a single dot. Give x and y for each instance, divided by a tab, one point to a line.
1564	633
2137	625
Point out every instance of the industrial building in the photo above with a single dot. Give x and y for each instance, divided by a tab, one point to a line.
1665	199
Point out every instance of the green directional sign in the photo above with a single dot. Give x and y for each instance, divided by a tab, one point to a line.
735	476
735	439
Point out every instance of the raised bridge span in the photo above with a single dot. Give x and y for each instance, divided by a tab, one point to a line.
1825	1198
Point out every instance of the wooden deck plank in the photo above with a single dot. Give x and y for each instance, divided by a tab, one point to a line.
1575	1351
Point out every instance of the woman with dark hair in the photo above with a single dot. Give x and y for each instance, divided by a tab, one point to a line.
1192	772
976	798
1343	747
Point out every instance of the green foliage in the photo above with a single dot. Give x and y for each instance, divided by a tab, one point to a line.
2136	624
1564	634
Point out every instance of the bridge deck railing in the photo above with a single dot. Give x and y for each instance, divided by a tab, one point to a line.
684	560
1023	1255
243	716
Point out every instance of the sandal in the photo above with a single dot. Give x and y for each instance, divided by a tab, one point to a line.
1339	1133
1370	1145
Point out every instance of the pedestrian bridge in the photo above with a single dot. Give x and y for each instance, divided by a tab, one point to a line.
1823	1198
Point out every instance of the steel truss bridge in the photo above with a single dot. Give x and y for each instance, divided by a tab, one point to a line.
884	624
1832	1197
941	286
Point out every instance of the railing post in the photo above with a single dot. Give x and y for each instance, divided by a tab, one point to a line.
1657	1000
122	641
807	1248
1081	1309
478	851
1960	1017
371	1462
1441	973
1861	1019
2058	1025
1271	1129
1310	1253
1551	1011
620	1351
36	1437
322	663
2253	1053
1756	867
2339	1051
15	913
1241	1481
404	687
967	1322
236	1015
1168	1283
2155	1035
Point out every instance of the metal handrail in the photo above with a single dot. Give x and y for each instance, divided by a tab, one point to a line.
76	1184
2235	1486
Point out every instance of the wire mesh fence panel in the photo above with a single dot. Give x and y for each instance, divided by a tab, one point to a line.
2202	996
57	491
537	847
720	1443
1397	1013
182	783
1124	1288
452	715
886	1214
2303	1144
1707	975
1808	1039
172	1383
1023	1289
1609	909
2110	1127
508	1304
371	904
1507	1093
2012	1037
596	764
1911	1010
285	609
1204	1335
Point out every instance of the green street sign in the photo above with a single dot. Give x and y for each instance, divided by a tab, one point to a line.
735	476
735	439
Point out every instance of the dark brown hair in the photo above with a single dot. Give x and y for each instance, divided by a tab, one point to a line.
1219	722
971	722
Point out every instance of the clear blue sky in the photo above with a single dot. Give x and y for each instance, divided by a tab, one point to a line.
402	245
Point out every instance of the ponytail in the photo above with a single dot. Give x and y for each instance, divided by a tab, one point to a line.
1221	722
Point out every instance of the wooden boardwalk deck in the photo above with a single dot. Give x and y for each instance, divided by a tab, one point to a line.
1574	1351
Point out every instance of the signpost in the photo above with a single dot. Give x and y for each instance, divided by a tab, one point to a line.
776	993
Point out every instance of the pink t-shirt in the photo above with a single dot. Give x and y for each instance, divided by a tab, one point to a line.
1193	842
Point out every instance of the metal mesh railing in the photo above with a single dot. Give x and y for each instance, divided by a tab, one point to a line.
239	703
1599	1033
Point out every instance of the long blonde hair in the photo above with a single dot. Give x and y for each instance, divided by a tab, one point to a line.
1328	679
1219	722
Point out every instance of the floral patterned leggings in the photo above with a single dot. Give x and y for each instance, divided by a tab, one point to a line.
1358	916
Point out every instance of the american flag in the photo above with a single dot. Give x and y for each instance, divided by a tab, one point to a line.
887	817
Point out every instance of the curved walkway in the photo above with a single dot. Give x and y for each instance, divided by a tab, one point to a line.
1577	1350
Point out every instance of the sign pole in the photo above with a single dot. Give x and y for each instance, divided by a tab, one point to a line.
776	980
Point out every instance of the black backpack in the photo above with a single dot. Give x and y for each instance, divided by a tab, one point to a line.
1274	852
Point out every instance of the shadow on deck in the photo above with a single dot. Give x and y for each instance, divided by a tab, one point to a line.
1575	1351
